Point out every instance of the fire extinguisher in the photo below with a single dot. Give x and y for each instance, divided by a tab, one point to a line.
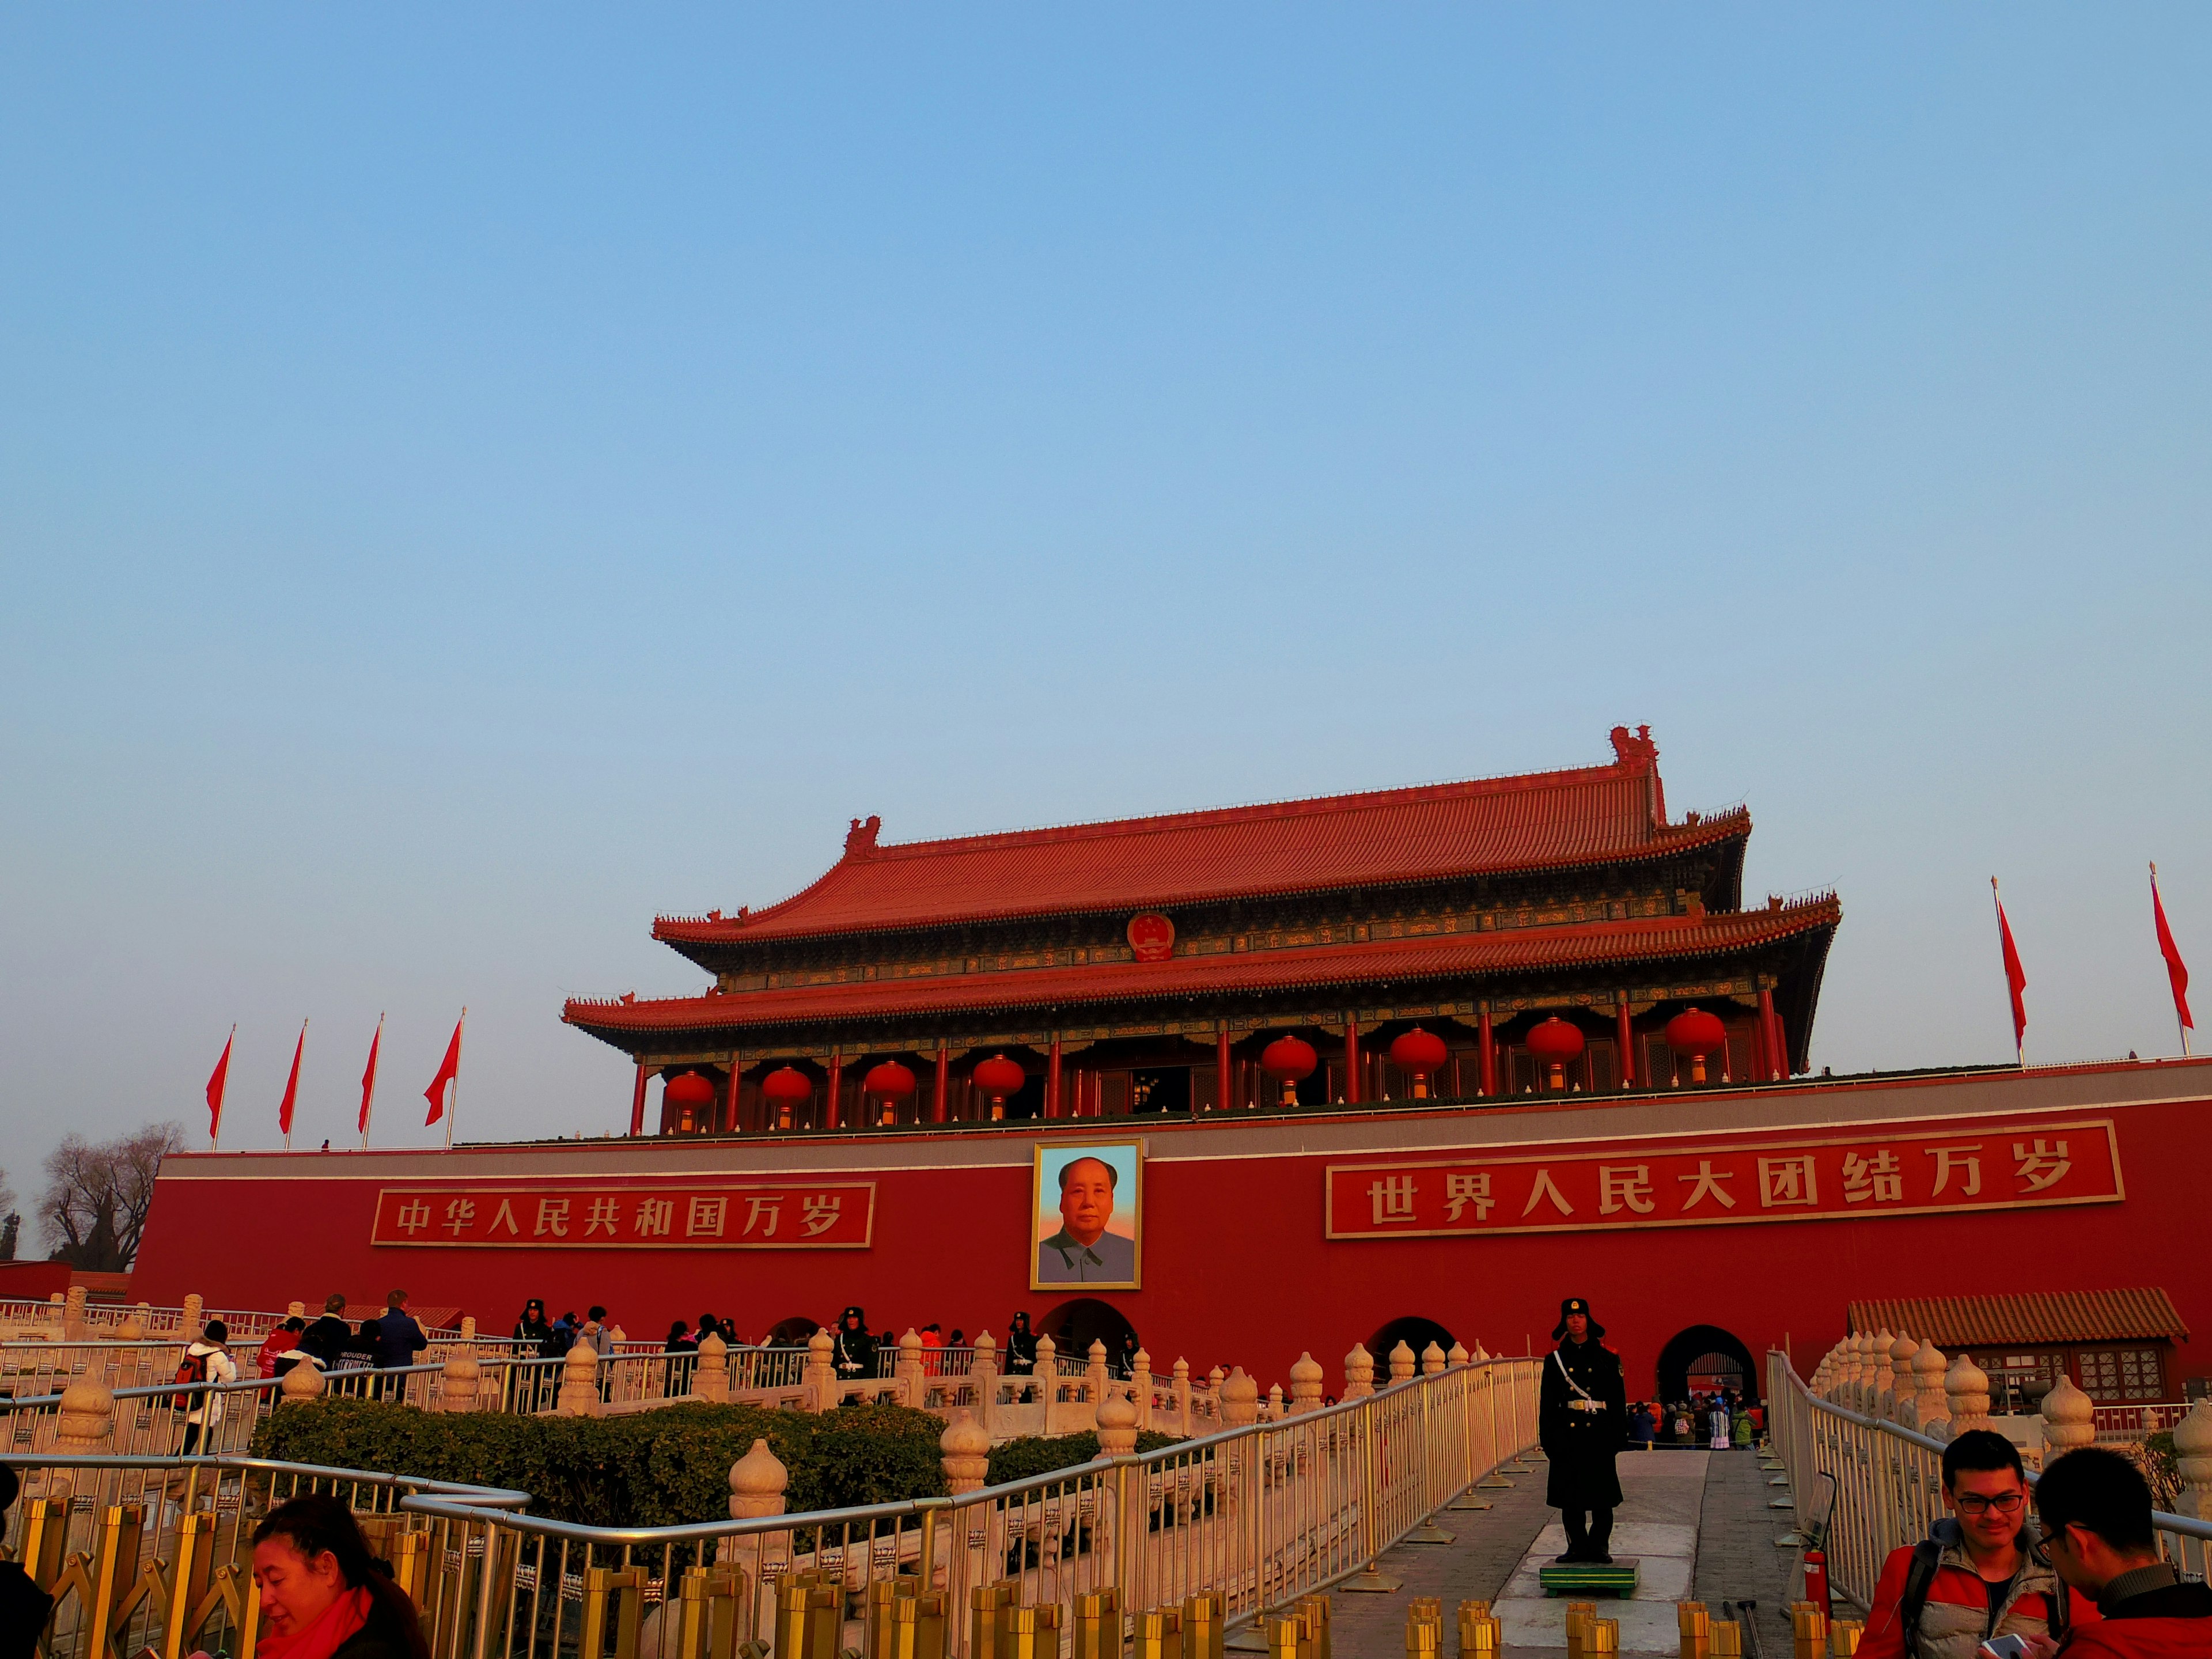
1816	1579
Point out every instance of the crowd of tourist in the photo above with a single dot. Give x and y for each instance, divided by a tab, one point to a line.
1716	1421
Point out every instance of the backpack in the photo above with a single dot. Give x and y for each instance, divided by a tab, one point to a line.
190	1368
1920	1577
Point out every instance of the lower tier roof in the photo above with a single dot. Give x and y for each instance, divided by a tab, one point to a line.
1662	940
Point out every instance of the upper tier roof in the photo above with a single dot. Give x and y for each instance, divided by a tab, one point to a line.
1535	821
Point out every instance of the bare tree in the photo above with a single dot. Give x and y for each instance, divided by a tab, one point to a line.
98	1195
10	1221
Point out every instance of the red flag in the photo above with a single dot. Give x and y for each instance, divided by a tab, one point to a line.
449	1072
218	1080
291	1086
2176	969
368	1077
2015	975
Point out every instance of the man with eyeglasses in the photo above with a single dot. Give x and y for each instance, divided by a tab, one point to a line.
1978	1575
2097	1530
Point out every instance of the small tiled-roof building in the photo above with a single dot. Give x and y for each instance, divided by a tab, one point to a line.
1158	964
2115	1345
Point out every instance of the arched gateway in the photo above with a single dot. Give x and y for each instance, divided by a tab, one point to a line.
1704	1358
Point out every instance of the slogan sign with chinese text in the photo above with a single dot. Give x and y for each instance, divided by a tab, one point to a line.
802	1216
1887	1169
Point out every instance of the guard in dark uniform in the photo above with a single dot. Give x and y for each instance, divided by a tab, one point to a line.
1582	1422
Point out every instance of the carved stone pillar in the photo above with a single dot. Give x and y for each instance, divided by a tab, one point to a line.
1432	1361
1306	1379
1359	1373
965	1449
580	1382
1401	1362
2193	1451
818	1383
1240	1401
87	1415
1117	1426
2069	1419
1968	1385
1931	1407
710	1376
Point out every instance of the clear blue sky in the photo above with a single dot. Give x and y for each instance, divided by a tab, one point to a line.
467	483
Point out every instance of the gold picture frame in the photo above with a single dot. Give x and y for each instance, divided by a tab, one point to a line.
1065	1250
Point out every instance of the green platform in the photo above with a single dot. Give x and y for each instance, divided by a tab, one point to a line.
1579	1579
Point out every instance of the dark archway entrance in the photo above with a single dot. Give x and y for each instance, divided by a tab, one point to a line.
1706	1357
792	1332
1415	1332
1086	1320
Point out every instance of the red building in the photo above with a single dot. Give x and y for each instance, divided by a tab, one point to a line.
1410	1063
1544	930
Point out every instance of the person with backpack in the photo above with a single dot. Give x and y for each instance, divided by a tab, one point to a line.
204	1361
1979	1574
2097	1529
326	1339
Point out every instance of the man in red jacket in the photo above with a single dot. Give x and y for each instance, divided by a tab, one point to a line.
2096	1512
1978	1575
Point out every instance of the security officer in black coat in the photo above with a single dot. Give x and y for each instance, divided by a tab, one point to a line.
1582	1422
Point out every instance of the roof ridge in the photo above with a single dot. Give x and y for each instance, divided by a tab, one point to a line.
1252	811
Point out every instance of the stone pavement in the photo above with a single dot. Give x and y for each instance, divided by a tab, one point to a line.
1698	1520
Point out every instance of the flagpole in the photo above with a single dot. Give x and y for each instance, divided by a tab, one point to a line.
2019	1042
453	1089
2179	1024
375	1048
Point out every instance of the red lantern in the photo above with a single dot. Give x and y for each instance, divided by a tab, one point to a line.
890	1078
785	1088
998	1077
689	1090
1420	1053
1289	1060
1693	1034
891	1081
1555	1043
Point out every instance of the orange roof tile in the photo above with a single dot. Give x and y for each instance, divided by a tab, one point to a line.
1449	956
1535	821
1973	1321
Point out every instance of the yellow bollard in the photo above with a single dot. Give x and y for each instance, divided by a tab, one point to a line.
611	1598
1028	1632
1099	1626
1577	1617
1601	1639
1808	1632
1480	1636
1159	1634
1425	1638
1843	1636
985	1602
1202	1634
1727	1639
917	1627
1314	1610
810	1618
1693	1623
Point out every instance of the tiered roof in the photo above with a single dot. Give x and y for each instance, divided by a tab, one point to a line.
1490	826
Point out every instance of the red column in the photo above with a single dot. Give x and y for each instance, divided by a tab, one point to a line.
937	1105
837	1082
1628	1048
1051	1078
637	1103
1352	1062
1222	1073
1489	1047
1778	1047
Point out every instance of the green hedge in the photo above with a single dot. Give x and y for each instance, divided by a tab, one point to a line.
1036	1454
662	1467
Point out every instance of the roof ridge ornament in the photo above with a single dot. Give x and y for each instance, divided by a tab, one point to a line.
1639	750
860	838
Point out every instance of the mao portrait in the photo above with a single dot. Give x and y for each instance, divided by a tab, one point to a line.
1086	1219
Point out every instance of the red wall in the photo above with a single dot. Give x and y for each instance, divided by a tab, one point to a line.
1236	1265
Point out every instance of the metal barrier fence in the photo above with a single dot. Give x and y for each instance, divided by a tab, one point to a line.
1889	1483
1252	1518
142	1554
1246	1520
